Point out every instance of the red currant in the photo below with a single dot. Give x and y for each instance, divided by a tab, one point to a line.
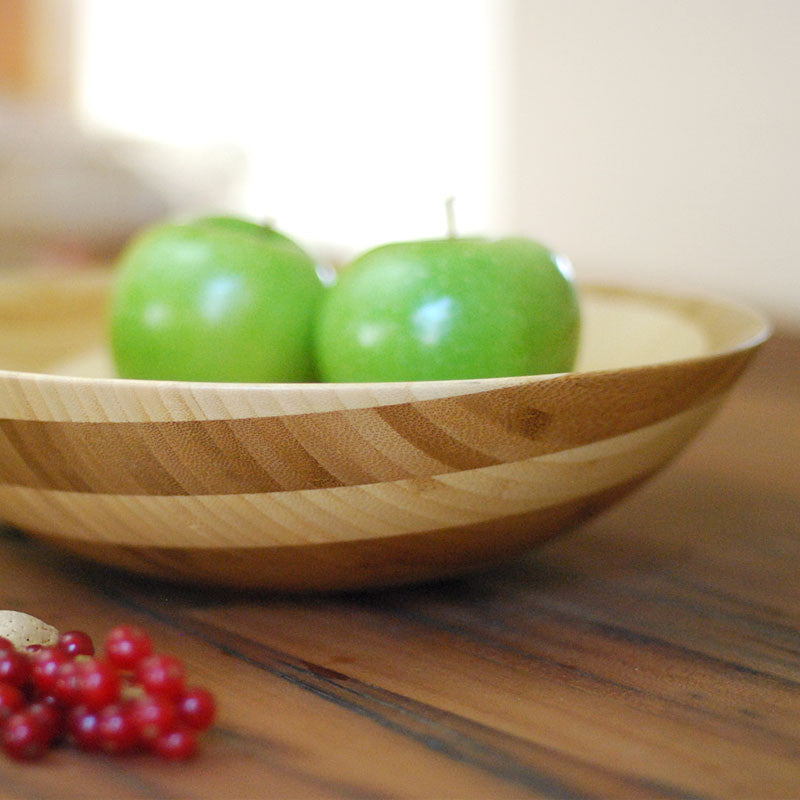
153	716
83	727
196	707
179	744
67	684
11	700
15	668
76	643
161	675
99	683
50	716
72	692
25	736
127	645
116	728
44	668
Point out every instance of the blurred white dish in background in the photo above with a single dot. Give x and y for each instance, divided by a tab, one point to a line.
69	197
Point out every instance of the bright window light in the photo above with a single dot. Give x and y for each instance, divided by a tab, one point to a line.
357	119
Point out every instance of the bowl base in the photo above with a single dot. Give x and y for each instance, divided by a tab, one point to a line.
353	565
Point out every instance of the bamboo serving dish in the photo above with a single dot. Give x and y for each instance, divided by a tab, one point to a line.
339	486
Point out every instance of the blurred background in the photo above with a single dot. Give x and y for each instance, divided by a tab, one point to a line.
653	142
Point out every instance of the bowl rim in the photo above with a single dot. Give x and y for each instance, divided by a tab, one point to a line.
763	326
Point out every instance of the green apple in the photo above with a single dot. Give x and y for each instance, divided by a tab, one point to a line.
216	299
449	308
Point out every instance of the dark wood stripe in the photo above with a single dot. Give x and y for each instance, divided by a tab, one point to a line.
414	425
352	447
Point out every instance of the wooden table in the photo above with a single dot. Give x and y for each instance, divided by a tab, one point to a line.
654	652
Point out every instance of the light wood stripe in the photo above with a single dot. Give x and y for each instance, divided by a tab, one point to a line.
354	512
290	453
356	563
60	398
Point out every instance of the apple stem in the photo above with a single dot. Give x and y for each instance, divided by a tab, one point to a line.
451	217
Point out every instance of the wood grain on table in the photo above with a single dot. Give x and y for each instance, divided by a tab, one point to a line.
654	652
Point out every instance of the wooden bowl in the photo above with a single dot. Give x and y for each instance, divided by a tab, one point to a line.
339	486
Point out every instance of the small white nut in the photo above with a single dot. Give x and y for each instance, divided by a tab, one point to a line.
22	630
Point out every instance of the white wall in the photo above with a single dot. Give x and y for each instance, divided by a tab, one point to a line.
657	140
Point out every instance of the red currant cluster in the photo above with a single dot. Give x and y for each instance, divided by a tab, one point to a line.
130	700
